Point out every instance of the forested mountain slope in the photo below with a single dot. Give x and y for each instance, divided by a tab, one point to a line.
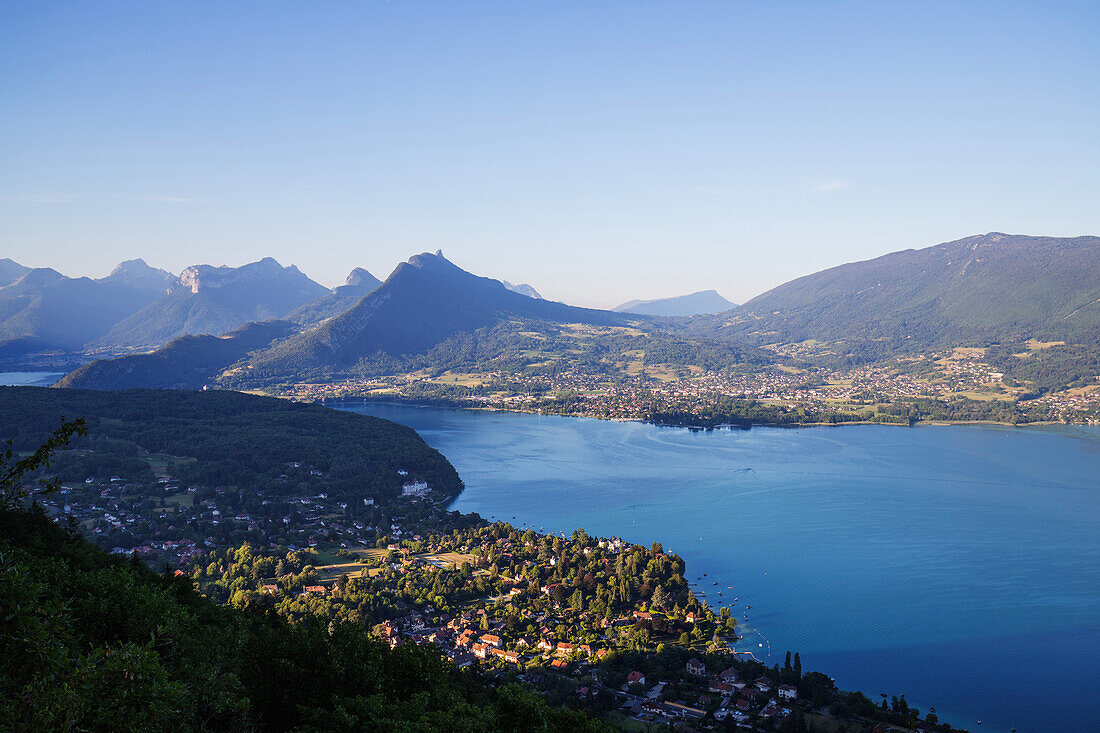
424	302
95	642
235	439
188	362
991	287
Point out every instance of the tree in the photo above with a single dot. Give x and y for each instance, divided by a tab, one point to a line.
658	599
11	474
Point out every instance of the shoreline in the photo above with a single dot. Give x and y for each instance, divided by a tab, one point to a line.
722	426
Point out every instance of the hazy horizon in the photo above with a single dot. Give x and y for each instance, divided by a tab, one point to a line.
600	152
383	275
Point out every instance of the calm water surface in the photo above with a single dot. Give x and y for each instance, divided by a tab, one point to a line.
29	379
957	565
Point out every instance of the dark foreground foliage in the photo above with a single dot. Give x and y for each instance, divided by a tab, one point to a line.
94	642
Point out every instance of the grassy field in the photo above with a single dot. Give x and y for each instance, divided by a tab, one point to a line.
454	558
456	379
330	566
184	499
328	573
158	462
625	722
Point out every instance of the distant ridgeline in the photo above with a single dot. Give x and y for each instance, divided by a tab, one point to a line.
979	290
226	438
993	290
429	314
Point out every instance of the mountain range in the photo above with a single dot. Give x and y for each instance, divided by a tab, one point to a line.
693	304
424	302
138	307
984	288
214	300
279	325
42	310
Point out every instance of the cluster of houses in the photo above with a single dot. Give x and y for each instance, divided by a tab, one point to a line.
727	696
463	640
168	523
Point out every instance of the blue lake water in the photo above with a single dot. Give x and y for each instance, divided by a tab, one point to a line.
29	379
957	565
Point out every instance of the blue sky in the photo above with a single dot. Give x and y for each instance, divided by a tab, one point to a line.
601	151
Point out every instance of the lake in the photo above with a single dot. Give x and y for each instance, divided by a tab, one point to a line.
957	565
29	379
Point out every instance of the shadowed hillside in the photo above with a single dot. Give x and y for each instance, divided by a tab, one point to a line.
215	300
359	283
424	302
188	362
44	310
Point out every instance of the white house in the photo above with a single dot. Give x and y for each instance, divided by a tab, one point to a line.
414	488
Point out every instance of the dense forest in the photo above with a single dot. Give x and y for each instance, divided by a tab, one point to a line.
233	439
93	642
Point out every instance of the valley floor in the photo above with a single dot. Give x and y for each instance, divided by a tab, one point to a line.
955	387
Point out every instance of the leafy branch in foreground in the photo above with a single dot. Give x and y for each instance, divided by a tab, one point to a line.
12	473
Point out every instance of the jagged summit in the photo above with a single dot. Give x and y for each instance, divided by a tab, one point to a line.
359	282
215	300
425	301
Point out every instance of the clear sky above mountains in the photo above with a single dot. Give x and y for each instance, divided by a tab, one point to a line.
601	151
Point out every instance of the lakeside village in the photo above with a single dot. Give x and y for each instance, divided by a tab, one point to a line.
596	624
957	385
